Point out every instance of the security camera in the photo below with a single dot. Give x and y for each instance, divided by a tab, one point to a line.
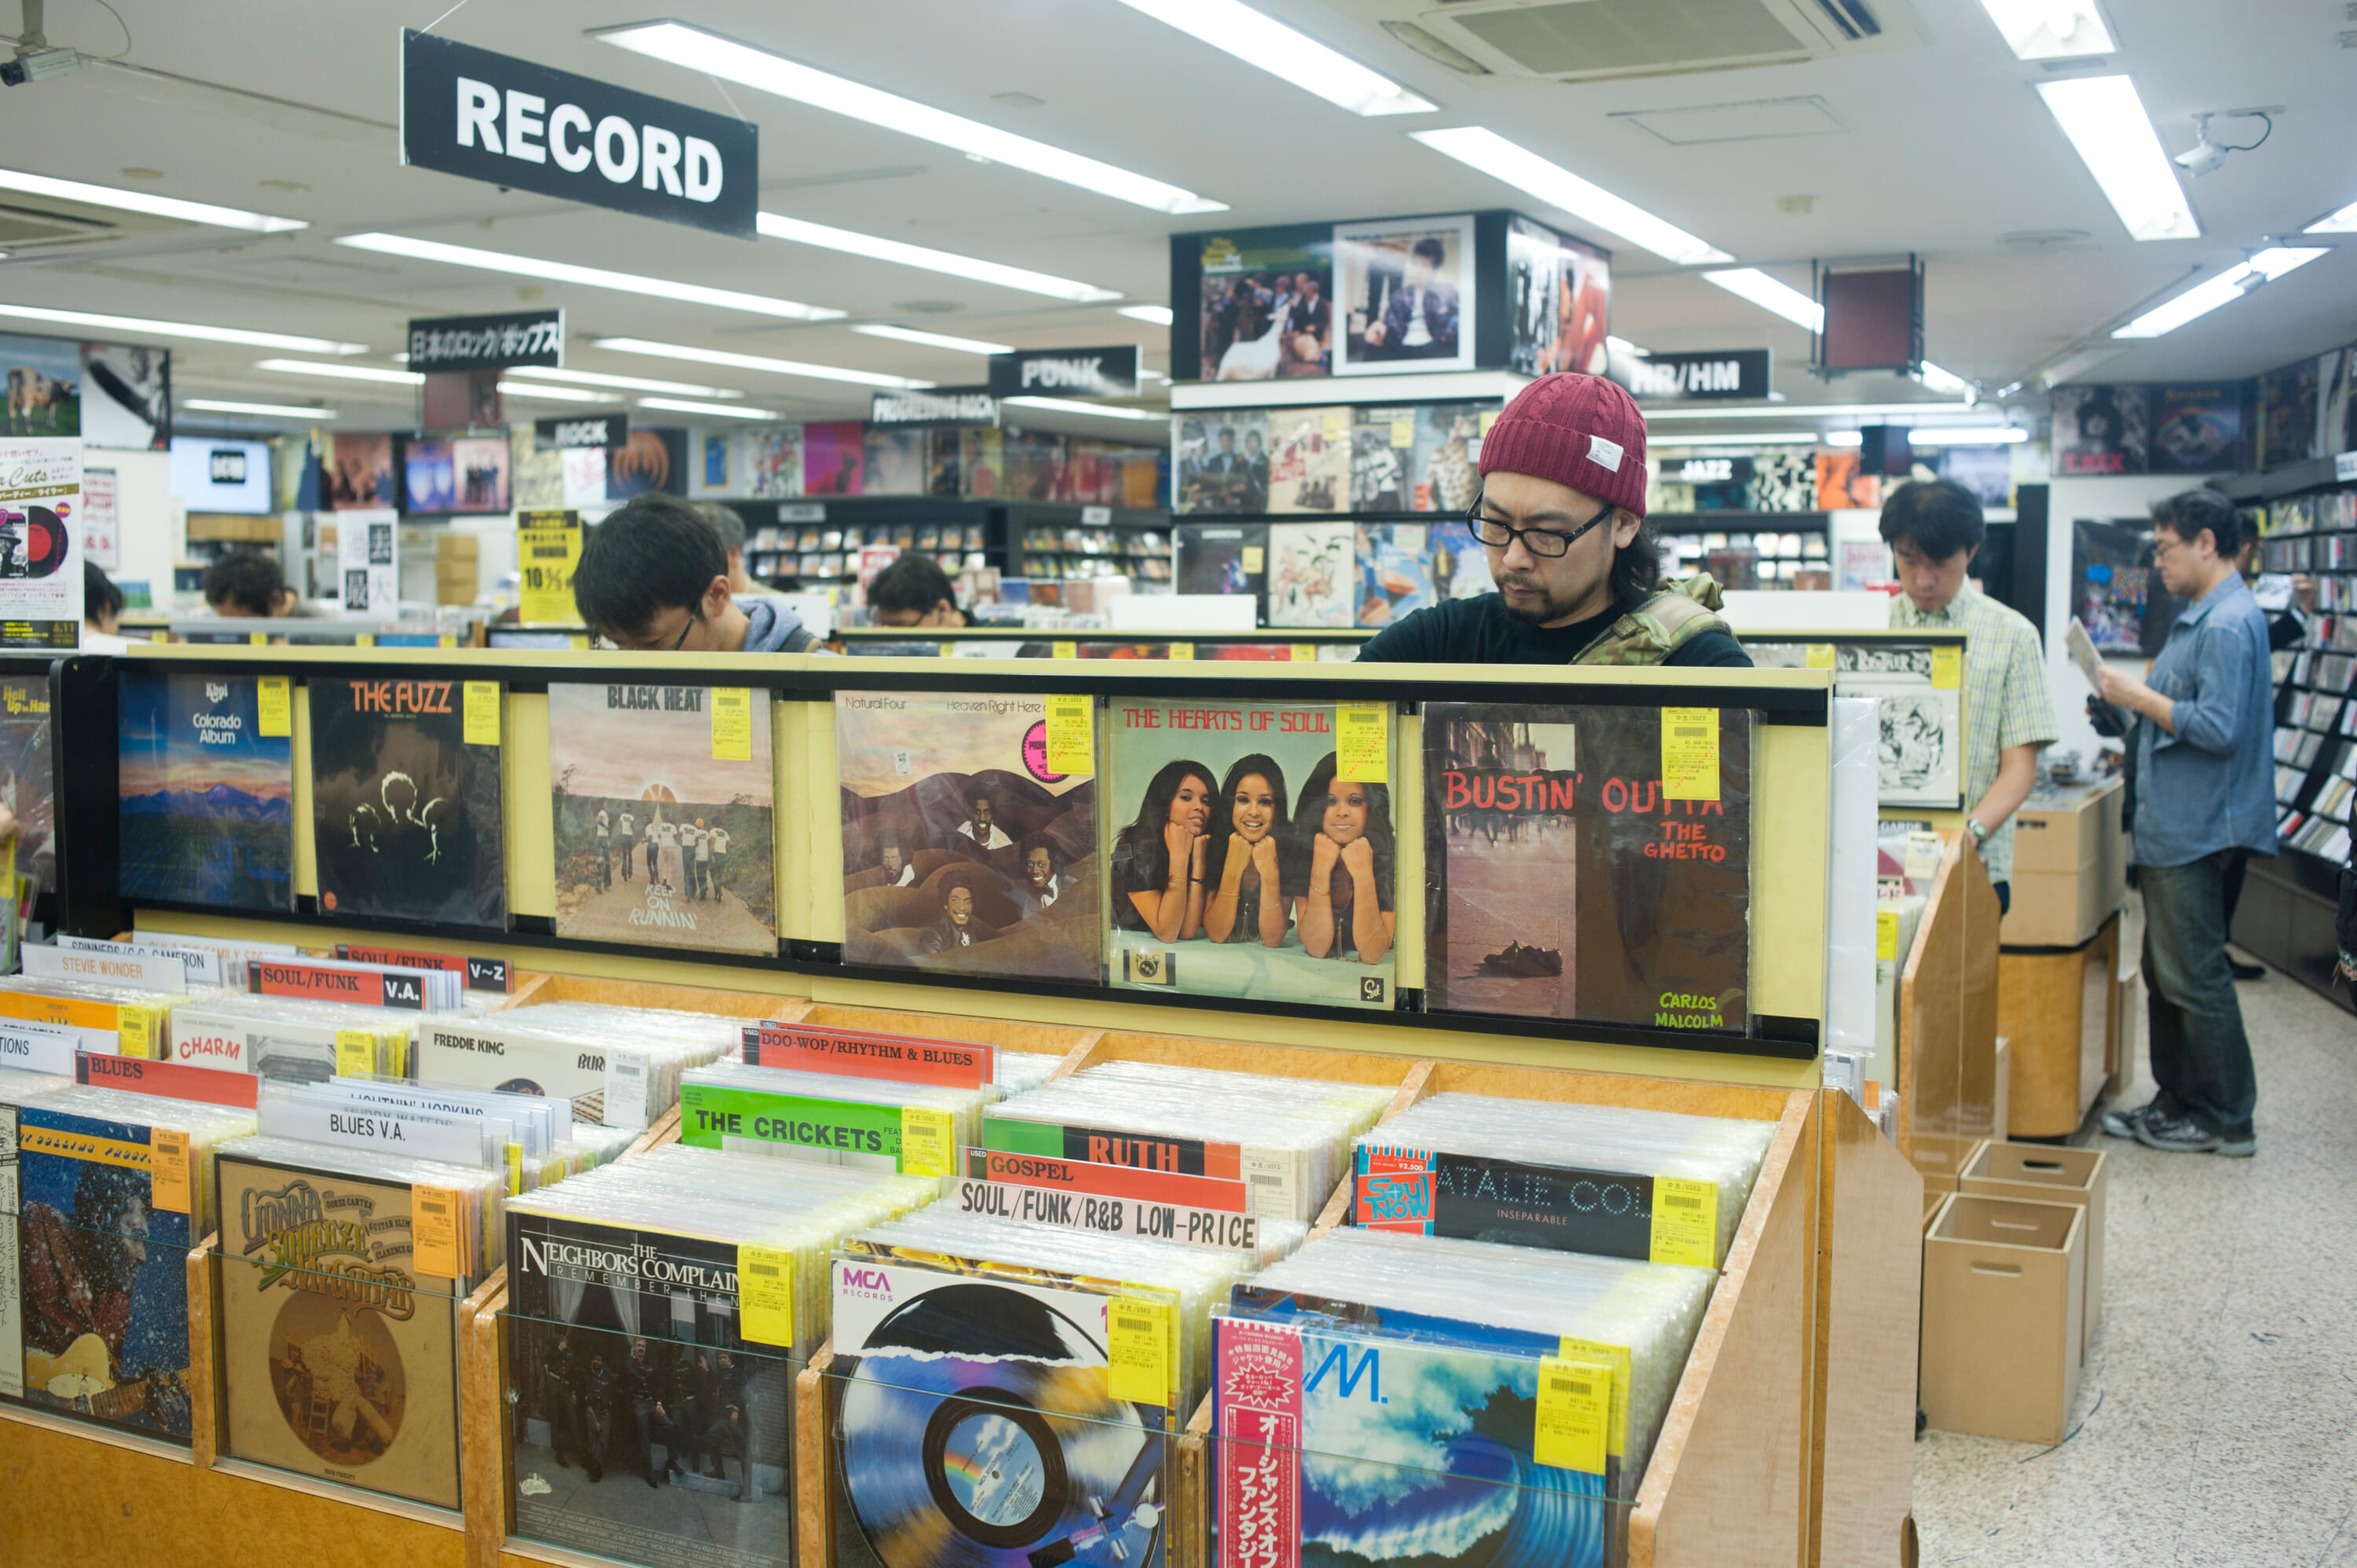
38	65
2206	155
2202	156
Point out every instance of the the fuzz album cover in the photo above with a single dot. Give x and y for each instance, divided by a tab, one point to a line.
207	782
965	851
661	799
406	800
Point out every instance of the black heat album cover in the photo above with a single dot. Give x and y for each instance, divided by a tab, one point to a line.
405	813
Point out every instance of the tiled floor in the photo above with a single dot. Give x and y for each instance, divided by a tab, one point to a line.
2217	1414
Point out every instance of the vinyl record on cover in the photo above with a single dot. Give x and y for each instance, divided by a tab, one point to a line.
975	1433
42	550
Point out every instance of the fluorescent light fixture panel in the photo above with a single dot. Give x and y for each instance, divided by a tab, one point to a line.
1295	57
2108	127
588	277
1480	148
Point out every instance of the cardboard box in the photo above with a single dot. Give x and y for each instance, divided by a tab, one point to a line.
2070	866
2042	1173
2003	1316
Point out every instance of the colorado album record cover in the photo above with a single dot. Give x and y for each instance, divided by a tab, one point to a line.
661	802
1580	863
645	1428
978	1427
405	801
964	851
340	1353
206	791
1245	862
102	1264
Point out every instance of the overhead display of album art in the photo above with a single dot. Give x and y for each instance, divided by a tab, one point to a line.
1405	289
1589	863
1256	855
1920	691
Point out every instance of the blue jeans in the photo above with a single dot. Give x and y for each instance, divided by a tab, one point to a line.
2200	1055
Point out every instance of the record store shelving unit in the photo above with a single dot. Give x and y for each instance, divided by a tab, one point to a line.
1789	1441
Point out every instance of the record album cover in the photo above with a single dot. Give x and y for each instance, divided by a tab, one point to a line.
358	472
650	460
2288	417
1309	459
1243	863
833	455
1395	571
405	801
27	774
100	1258
1267	306
1312	573
207	804
1444	467
1919	691
627	1364
1382	450
964	851
2101	430
1581	863
1222	462
774	461
339	1352
977	1423
2197	429
1222	558
1403	288
661	802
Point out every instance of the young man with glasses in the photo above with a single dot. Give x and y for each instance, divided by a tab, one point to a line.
1561	515
653	578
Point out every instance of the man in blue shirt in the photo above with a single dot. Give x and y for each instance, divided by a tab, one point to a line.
2205	790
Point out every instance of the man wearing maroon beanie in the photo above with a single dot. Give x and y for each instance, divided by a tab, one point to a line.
1561	515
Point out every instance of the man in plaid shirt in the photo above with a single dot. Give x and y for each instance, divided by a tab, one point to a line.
1933	528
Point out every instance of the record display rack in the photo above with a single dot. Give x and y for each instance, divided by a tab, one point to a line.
1787	902
1303	645
1825	649
1057	540
1788	1441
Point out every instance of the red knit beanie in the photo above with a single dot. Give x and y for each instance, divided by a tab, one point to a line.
1580	431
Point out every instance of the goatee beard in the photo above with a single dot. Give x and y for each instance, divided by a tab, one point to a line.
1546	610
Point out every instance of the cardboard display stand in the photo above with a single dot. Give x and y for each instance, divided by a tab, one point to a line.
2061	1008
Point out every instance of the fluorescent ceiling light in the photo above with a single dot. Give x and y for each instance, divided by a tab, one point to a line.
1074	405
934	339
1264	41
628	383
1965	435
876	248
1156	315
2225	289
2050	29
271	410
555	394
1765	438
1783	298
755	363
1490	154
726	410
1844	437
588	277
1942	381
715	56
1811	411
142	201
1622	346
340	372
139	327
2106	123
2341	223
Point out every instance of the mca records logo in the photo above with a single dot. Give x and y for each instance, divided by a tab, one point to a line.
1149	966
1371	988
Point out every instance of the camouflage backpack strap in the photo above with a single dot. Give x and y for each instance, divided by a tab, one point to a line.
1675	616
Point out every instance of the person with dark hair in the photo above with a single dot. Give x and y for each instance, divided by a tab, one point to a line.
1247	897
728	527
2205	787
1933	528
599	1390
898	870
1157	860
1419	321
1561	516
652	1378
655	579
725	1413
981	828
914	591
560	1397
1042	882
248	585
102	612
1343	832
959	925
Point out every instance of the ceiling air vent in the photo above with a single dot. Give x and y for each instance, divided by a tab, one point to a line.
40	224
1586	40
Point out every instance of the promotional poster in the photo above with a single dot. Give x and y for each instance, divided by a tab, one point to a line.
206	796
1589	863
2101	430
339	1352
1309	459
406	800
1267	306
45	377
1312	573
833	459
978	1422
602	1317
26	779
539	476
1243	862
969	842
2197	429
773	458
100	1258
368	559
1561	294
894	463
650	460
2115	590
661	803
40	542
127	396
359	472
1404	288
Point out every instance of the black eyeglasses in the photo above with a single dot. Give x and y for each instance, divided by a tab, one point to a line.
1543	542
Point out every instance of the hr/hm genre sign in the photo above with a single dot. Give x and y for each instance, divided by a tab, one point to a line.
1682	378
493	117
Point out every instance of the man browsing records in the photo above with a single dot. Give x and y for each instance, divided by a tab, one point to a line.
653	578
1561	515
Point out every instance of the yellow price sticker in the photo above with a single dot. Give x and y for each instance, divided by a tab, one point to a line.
1821	656
1362	743
1615	1357
1690	754
139	1030
764	1295
1685	1221
171	1178
274	708
928	1142
1182	651
364	639
1304	653
159	636
258	639
1489	418
515	1169
1255	559
437	1226
732	724
1337	423
578	642
355	1052
1575	1414
447	640
482	728
1139	1339
1402	432
1947	668
1070	735
1064	650
1886	936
